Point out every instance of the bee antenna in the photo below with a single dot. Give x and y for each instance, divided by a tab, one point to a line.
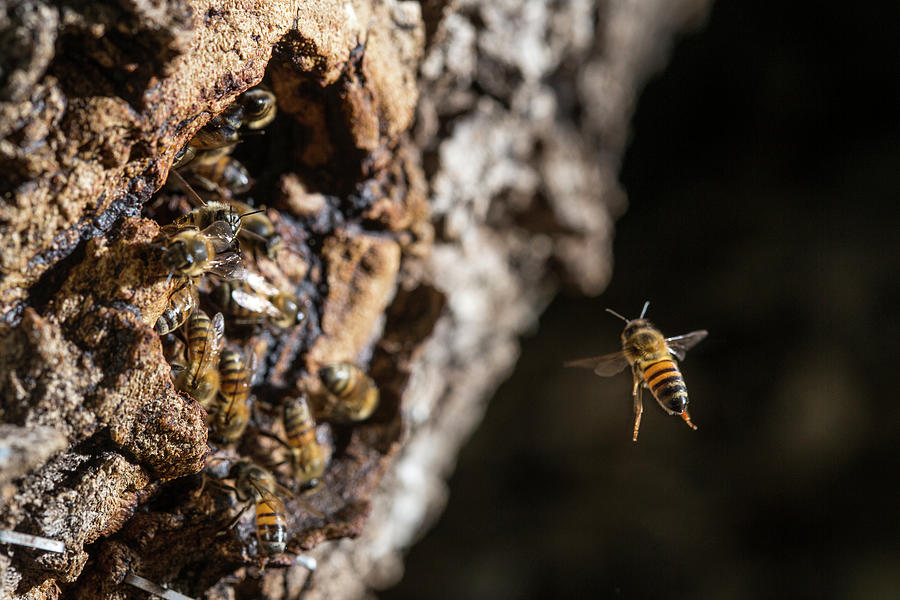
614	313
190	190
644	312
253	212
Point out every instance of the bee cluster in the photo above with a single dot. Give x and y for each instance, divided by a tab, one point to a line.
214	251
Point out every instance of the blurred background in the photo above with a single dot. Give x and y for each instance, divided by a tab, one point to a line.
763	178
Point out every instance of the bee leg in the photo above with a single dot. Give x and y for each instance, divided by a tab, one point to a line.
636	394
687	419
235	520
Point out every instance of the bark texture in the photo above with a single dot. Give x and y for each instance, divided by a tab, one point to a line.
437	169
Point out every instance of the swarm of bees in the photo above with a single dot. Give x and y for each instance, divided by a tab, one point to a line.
653	365
205	250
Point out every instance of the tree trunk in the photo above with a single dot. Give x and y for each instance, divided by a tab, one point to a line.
437	171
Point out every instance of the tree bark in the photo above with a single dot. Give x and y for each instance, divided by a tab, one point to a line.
438	171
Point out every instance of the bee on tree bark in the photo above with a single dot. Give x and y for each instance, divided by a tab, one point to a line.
352	394
205	336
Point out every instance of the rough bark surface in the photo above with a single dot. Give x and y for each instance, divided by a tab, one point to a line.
437	169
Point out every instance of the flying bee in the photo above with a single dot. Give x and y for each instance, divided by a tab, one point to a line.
353	395
259	107
231	415
204	344
653	364
255	300
191	252
306	455
181	304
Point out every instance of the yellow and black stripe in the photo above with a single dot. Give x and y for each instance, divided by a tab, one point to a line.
235	386
667	384
197	337
299	425
271	527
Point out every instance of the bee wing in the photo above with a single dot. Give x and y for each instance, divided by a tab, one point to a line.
286	493
255	303
259	284
227	265
221	233
213	346
604	365
269	497
680	344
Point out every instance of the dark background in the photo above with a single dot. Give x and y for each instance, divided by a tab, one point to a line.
764	184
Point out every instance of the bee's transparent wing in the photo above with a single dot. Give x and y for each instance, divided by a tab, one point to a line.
259	284
680	344
213	346
227	265
221	233
605	365
254	303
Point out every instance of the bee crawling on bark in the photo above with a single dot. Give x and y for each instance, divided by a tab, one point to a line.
200	378
257	487
352	394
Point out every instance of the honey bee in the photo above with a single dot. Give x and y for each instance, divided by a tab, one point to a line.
182	303
205	214
258	230
191	252
255	485
225	173
231	415
255	300
200	378
353	394
221	131
653	364
259	107
306	455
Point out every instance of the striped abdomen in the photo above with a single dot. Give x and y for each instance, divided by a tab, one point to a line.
667	385
298	423
307	457
235	378
355	394
271	527
182	303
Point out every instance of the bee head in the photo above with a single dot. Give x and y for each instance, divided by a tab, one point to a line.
632	326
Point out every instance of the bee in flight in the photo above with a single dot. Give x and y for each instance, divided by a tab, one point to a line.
352	394
653	364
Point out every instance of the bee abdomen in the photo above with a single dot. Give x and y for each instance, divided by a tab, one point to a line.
271	528
667	384
234	375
